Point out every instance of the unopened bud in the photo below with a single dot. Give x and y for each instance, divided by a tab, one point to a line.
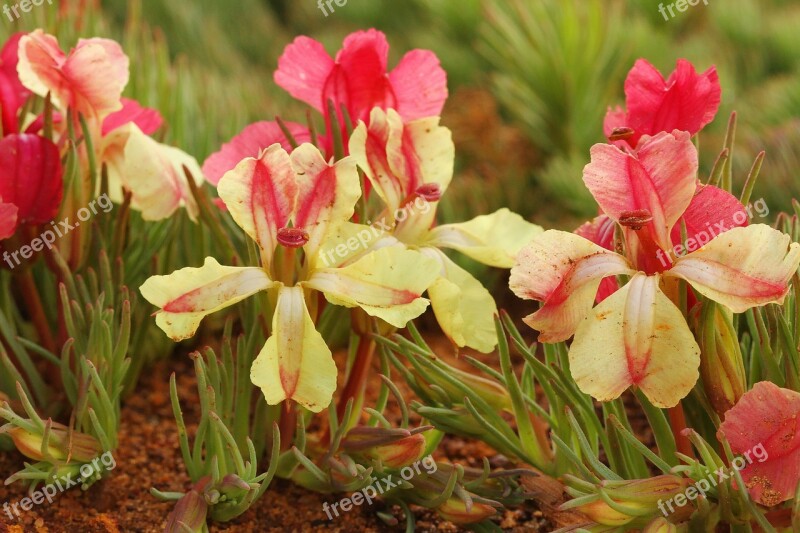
660	525
61	445
455	510
401	453
189	514
721	363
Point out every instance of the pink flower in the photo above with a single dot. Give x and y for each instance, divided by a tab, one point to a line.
766	422
89	79
12	93
357	78
31	184
685	101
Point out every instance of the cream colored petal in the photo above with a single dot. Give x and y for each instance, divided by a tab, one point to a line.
638	337
387	283
295	363
742	268
186	296
493	239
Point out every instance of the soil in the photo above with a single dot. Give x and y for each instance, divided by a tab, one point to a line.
149	456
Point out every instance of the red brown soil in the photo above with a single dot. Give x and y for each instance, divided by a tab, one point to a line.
149	456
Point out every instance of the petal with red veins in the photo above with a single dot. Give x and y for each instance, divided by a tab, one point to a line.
295	363
660	177
686	101
261	194
249	143
326	194
711	212
742	268
31	177
765	426
303	70
601	232
398	158
420	85
8	220
387	283
637	336
186	296
148	120
564	271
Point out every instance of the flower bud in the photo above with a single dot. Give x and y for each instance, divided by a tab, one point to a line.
455	510
189	514
491	391
84	448
602	513
661	525
640	496
721	363
400	453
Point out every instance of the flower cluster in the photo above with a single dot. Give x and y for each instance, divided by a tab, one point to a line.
298	204
649	195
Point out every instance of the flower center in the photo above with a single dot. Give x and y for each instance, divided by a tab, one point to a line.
292	237
635	219
430	192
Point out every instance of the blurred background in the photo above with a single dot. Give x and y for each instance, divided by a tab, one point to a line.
530	81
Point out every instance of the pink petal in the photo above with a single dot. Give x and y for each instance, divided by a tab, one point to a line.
601	232
249	143
765	423
419	84
12	93
31	176
303	70
360	80
659	177
148	120
8	220
711	212
686	101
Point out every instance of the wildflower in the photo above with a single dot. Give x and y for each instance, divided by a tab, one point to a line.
637	335
12	93
410	166
767	415
292	204
685	101
357	78
89	80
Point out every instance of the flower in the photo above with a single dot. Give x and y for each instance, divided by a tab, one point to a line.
357	77
685	101
31	181
290	204
89	80
766	417
637	336
410	166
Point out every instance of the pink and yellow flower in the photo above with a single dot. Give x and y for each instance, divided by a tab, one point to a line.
292	205
767	416
637	336
410	166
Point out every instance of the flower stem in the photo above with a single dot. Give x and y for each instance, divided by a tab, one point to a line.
677	420
357	380
287	424
33	303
